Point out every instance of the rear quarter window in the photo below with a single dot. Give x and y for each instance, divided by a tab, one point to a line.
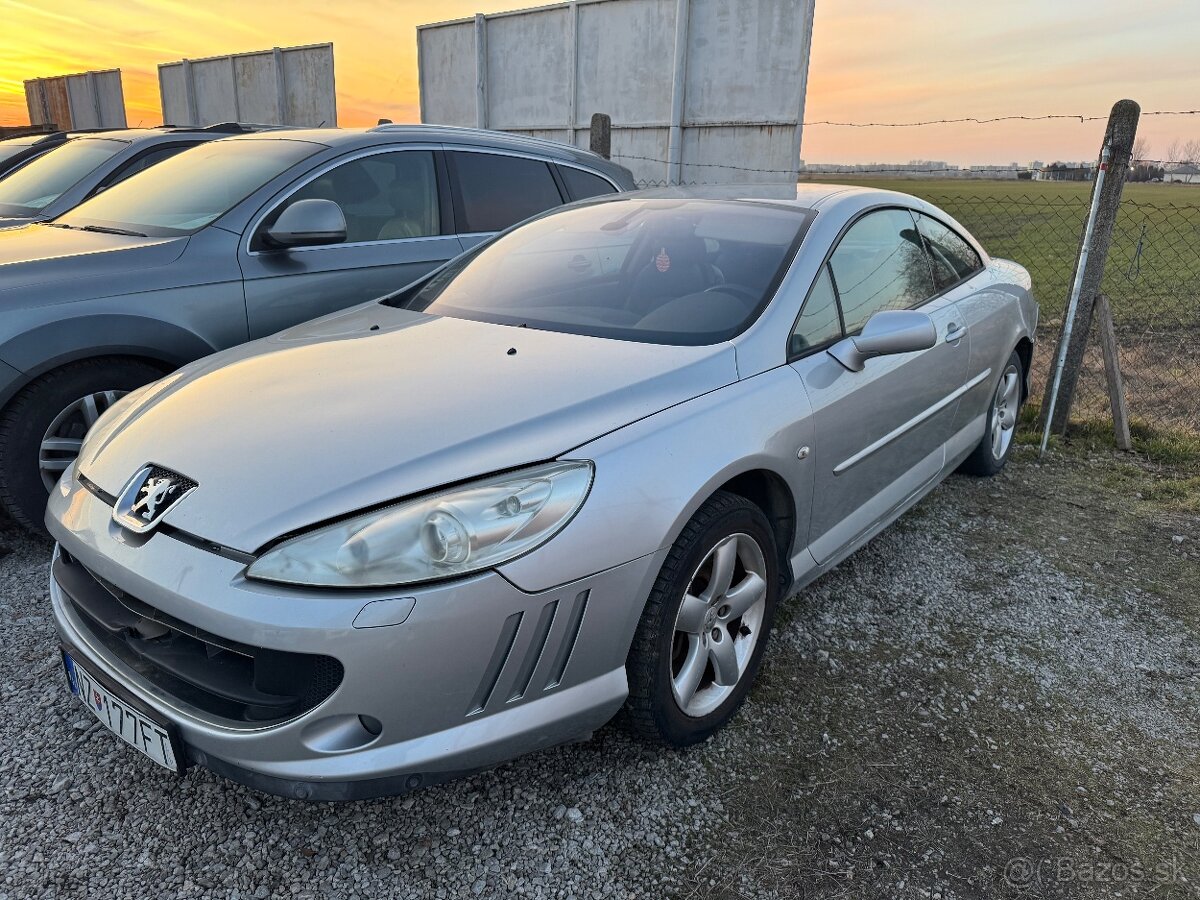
953	259
494	191
581	184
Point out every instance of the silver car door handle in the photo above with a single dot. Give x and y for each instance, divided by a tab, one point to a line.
955	333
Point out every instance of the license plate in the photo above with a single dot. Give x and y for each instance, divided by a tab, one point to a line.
119	716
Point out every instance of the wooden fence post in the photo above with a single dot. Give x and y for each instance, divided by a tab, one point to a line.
601	139
1112	373
1118	137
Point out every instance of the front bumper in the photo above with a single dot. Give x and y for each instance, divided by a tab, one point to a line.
477	672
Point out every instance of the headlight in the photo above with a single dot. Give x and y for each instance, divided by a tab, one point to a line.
463	530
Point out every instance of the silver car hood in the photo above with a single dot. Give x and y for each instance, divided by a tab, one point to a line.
330	417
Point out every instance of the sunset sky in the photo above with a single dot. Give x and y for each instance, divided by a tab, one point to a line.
872	60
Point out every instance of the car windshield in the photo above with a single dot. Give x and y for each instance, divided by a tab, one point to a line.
15	146
33	187
184	193
682	272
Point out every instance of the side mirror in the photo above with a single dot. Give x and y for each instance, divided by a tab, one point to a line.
307	223
885	334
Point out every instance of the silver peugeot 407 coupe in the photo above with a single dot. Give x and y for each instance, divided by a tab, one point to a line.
567	476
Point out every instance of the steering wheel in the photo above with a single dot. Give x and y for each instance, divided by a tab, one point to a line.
736	290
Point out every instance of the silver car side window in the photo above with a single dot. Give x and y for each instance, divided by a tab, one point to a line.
953	259
880	264
384	197
819	323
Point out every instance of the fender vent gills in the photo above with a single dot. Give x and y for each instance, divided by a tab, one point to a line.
541	631
504	645
575	620
544	651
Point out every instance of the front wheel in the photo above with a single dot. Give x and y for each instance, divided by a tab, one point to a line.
43	427
704	629
996	445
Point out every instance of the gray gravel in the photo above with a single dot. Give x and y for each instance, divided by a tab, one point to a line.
966	691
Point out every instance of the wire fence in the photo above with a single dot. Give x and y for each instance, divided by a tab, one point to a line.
1152	280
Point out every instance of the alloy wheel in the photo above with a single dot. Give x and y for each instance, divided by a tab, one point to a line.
60	445
1005	405
718	624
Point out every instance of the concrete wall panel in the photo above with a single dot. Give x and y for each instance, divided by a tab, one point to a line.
545	71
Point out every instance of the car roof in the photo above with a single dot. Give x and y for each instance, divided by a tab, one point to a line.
161	133
817	195
351	138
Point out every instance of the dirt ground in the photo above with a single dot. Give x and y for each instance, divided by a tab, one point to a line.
996	697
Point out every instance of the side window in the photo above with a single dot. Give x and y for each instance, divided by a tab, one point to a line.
880	264
145	161
581	184
493	191
952	257
384	197
819	322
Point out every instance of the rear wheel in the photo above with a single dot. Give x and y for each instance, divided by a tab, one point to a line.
43	427
996	445
704	629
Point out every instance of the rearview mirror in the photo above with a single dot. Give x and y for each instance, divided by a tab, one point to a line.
307	223
885	334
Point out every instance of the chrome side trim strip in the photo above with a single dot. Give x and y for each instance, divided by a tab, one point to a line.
910	424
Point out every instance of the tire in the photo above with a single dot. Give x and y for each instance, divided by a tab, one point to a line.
989	457
660	653
46	402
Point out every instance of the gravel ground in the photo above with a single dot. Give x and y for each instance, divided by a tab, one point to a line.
994	698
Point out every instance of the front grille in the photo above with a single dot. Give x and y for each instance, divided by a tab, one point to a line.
183	484
223	677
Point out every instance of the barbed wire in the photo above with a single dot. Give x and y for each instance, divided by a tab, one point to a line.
870	169
988	121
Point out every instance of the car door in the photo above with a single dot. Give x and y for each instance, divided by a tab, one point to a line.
397	230
495	190
880	433
959	271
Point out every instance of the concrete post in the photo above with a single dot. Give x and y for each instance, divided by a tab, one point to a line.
1118	137
601	141
481	71
678	88
280	88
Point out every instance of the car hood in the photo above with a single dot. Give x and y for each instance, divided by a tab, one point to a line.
34	255
375	404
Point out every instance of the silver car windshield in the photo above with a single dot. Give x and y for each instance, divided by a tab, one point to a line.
663	271
186	192
33	187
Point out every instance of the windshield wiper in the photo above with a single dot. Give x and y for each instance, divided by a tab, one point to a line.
57	225
105	229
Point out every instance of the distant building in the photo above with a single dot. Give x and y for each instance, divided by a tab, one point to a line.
917	168
1185	173
1066	171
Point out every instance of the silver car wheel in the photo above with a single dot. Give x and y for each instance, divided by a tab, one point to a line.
1005	405
718	624
61	443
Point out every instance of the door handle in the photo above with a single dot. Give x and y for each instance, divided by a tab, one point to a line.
955	333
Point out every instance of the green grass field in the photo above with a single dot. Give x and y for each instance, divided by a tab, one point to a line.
1040	223
1153	194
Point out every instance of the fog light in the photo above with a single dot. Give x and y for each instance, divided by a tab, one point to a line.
338	734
